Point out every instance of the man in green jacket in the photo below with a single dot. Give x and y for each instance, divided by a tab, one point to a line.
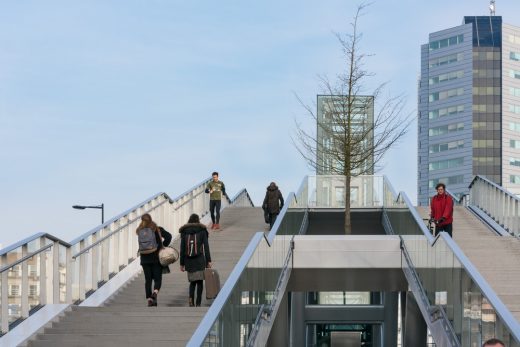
215	189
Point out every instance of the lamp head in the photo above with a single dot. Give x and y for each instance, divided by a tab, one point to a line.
78	207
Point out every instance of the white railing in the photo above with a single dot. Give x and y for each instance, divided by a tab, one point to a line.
43	269
498	203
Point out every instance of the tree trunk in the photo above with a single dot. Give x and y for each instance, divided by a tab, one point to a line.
348	225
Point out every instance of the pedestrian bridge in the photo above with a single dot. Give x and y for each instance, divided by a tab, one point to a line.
303	283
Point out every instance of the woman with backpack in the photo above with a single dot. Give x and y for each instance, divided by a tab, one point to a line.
150	241
195	256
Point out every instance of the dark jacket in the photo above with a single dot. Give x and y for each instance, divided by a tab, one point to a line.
273	201
442	207
200	262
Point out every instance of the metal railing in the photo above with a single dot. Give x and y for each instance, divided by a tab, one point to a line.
243	311
43	269
459	306
498	203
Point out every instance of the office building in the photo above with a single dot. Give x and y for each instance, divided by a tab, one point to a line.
469	106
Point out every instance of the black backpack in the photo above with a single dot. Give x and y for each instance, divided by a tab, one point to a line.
193	244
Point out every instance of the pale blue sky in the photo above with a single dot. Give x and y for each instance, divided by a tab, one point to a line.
114	101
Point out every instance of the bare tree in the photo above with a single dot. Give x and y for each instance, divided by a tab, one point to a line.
356	136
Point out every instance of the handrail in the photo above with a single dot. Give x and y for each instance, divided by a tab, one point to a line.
237	195
486	289
213	312
28	256
215	309
505	191
128	211
31	238
497	203
105	241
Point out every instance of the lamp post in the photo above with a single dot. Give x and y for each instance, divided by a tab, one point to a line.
101	207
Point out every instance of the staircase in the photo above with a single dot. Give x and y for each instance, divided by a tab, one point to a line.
126	320
495	257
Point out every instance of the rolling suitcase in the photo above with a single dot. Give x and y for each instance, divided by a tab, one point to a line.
212	283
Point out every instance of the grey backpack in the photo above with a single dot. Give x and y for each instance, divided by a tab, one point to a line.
147	241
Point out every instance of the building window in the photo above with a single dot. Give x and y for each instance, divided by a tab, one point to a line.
514	144
14	290
514	179
445	129
514	109
514	74
514	56
486	91
448	111
514	39
33	290
15	271
486	143
486	73
448	59
441	147
33	271
447	77
450	41
446	164
446	180
486	108
514	126
514	161
486	56
446	94
514	91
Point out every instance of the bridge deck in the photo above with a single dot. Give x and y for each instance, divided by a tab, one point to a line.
126	320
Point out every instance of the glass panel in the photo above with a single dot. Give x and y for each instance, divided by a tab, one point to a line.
446	283
256	285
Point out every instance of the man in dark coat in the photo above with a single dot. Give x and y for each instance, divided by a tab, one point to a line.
273	202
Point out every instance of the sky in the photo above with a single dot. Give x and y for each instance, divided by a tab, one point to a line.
113	101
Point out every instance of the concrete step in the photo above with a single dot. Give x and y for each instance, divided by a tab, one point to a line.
125	320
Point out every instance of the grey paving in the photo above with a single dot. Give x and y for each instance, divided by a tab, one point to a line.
126	321
495	257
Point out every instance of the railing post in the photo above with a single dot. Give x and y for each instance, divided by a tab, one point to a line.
105	254
82	276
94	251
25	286
5	297
69	273
514	227
124	243
43	274
114	248
56	273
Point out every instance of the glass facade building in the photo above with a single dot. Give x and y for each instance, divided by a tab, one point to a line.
332	122
468	92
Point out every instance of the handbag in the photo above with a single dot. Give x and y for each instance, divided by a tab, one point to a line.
168	255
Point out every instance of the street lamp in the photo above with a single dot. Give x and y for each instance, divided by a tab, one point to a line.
101	207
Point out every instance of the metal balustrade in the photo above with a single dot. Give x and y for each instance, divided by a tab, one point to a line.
457	303
236	319
496	202
43	269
